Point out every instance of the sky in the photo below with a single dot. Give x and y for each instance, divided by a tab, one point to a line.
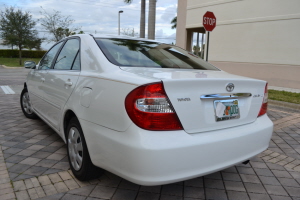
100	16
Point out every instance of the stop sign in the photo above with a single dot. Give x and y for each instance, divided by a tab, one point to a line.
209	21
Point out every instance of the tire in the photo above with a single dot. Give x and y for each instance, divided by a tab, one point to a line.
26	105
78	155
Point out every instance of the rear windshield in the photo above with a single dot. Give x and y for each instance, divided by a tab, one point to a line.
135	53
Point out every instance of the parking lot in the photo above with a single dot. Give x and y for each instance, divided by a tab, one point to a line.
34	164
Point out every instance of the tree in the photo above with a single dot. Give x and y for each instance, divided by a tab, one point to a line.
58	25
129	32
151	19
9	40
33	44
61	32
142	17
17	28
134	45
174	23
196	50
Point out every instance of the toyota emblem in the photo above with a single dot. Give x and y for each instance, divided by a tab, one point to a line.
230	87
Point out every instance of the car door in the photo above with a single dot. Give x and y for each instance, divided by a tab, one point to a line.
61	80
37	79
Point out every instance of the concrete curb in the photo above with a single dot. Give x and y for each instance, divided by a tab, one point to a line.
10	67
284	104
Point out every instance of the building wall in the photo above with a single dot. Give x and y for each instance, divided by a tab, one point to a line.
276	75
254	31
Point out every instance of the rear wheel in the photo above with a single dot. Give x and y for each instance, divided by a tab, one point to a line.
79	158
26	105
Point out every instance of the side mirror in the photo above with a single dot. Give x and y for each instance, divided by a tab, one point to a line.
29	64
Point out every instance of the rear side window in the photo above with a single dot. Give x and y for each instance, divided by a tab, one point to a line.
76	64
68	56
136	53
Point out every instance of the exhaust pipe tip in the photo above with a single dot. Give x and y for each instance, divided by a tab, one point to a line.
246	162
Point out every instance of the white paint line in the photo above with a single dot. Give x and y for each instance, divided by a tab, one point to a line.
11	90
7	90
4	89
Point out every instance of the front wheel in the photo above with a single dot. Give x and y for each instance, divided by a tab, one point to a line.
26	105
79	158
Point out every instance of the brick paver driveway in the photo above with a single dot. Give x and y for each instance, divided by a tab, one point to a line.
33	163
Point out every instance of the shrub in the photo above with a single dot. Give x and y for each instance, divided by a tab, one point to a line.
8	53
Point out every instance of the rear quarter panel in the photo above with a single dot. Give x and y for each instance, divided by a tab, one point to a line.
104	105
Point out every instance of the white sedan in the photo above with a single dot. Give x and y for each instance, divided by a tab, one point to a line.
149	112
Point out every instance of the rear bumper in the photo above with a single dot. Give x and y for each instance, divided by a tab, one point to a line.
159	157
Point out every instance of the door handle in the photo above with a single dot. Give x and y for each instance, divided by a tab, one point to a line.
43	79
69	83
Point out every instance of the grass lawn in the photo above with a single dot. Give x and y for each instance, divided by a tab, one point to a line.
290	97
14	62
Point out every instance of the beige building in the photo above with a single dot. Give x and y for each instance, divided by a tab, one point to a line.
256	38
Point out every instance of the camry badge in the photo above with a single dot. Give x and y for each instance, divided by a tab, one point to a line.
183	99
230	87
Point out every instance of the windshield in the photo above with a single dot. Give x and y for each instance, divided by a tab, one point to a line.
136	53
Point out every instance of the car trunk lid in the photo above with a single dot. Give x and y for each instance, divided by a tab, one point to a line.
201	100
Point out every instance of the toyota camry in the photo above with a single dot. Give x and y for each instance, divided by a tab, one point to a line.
146	111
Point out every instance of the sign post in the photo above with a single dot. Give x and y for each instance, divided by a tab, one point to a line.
209	23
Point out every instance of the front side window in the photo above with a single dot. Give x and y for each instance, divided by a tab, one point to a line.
47	60
67	56
135	53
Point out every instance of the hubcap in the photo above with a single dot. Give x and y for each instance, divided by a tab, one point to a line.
75	148
26	103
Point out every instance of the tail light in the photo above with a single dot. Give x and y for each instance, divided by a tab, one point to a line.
264	106
149	108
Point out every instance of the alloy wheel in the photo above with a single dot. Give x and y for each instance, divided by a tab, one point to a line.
75	148
26	103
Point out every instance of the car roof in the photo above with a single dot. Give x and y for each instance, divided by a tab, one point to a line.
115	37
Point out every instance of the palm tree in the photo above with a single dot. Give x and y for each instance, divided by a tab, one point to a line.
151	19
174	23
143	18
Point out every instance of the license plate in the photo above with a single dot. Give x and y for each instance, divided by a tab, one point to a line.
226	109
